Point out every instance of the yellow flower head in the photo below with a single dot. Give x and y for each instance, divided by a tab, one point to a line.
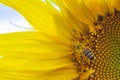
80	41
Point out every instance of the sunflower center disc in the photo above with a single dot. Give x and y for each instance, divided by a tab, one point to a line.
107	62
97	57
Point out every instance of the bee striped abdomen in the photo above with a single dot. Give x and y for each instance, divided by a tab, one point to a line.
88	54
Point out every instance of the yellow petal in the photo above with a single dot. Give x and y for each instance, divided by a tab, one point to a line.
98	7
19	35
35	11
61	74
43	17
115	3
105	6
64	73
87	10
32	43
22	51
79	10
70	20
29	51
22	63
76	18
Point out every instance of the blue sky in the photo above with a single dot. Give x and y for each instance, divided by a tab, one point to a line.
9	18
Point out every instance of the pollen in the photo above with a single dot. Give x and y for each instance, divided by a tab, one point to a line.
97	56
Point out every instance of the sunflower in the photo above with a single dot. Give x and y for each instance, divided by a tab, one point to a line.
80	41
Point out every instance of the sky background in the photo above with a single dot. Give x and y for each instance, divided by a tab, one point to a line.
9	18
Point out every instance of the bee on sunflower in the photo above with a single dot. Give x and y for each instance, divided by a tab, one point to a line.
78	41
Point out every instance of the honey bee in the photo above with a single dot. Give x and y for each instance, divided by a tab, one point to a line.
87	52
